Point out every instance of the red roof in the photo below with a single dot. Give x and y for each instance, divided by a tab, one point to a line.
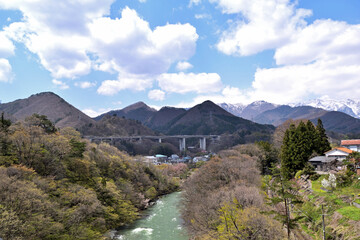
350	142
341	149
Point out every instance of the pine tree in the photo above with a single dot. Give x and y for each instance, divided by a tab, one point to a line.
322	144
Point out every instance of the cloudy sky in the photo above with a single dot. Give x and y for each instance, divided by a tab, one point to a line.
101	55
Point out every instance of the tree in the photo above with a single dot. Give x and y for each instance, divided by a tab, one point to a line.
299	143
287	152
6	148
283	196
41	121
322	144
269	157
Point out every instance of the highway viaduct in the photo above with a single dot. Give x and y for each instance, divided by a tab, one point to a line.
182	139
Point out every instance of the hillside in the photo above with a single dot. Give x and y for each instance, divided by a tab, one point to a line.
162	117
54	107
64	114
116	126
339	122
209	118
280	114
137	111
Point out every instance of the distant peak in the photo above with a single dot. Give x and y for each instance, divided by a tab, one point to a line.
137	105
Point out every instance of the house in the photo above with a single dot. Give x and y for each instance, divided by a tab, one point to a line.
331	160
340	153
353	144
321	163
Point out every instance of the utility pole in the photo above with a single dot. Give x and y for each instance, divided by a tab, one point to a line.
323	221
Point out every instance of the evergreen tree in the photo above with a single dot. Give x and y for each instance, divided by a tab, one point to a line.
322	144
269	157
6	151
283	195
311	135
287	152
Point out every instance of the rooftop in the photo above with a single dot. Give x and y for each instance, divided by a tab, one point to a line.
350	142
343	149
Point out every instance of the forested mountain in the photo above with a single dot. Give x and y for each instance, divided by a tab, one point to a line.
64	114
163	117
116	126
137	111
208	118
54	107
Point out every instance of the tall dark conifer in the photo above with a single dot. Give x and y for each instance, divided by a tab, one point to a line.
287	152
322	144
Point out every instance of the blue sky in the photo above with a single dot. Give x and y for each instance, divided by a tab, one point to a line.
102	55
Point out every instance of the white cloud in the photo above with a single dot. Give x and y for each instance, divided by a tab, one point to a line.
190	82
317	59
6	74
111	87
267	24
85	84
323	59
7	48
194	2
64	34
182	66
156	95
94	113
128	45
203	16
142	1
60	84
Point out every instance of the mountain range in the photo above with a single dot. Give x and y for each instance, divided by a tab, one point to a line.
334	114
204	118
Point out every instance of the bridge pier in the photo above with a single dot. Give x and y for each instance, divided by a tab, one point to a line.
203	144
182	144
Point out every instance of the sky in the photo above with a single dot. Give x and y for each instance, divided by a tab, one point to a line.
104	55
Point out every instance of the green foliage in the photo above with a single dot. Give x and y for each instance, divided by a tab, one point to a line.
163	149
151	193
77	148
350	212
269	158
299	143
283	194
66	188
43	122
322	144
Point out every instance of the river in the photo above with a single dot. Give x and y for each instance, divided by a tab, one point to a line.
162	222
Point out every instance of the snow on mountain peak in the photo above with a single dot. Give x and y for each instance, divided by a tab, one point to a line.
348	106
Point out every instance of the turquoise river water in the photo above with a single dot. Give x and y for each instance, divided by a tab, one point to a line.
162	222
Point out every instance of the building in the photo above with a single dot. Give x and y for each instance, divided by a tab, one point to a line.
331	160
353	144
321	163
340	153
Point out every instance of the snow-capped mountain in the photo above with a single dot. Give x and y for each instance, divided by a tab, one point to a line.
348	106
248	111
235	109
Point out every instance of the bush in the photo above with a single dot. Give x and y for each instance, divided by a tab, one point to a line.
315	177
298	174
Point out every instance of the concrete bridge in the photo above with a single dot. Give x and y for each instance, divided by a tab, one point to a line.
182	139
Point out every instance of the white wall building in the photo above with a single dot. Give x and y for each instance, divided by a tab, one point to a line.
353	144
